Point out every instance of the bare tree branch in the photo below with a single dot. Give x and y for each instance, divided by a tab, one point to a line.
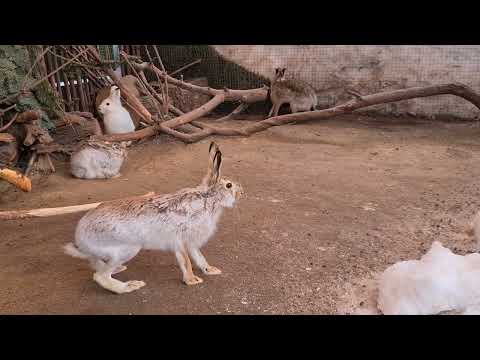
45	212
457	89
238	110
170	124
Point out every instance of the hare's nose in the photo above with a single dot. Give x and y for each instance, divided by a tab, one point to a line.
241	192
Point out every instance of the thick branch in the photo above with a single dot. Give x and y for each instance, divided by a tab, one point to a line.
457	89
235	112
359	102
45	212
131	100
170	124
197	113
19	180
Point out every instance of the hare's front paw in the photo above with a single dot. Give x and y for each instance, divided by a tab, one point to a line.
194	280
212	270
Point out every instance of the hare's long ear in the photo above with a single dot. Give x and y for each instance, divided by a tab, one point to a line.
115	93
217	167
212	150
214	164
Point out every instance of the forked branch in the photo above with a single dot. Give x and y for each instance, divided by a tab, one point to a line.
359	102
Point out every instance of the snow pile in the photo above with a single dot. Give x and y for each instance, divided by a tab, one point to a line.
440	281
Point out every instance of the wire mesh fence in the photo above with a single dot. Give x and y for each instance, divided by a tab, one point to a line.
368	69
219	71
73	86
329	69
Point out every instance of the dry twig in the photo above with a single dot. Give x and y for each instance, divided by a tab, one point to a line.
12	120
185	67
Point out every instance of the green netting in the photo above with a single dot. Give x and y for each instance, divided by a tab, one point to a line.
14	61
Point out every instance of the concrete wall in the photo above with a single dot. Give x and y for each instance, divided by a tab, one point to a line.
370	69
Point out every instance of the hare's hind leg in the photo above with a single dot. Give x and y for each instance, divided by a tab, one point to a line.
271	111
183	260
98	265
105	270
274	110
202	263
105	280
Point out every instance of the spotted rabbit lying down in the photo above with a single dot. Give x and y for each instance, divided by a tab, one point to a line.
114	232
98	160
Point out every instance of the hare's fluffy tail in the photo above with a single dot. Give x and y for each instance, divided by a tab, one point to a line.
72	250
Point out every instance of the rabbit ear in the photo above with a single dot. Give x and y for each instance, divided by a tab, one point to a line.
115	92
217	166
213	149
214	166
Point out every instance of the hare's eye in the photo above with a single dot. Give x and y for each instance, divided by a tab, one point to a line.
229	185
108	104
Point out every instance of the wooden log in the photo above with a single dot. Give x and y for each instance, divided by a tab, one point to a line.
19	180
46	212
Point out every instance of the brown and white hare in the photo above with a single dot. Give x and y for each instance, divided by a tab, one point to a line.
98	160
114	232
298	94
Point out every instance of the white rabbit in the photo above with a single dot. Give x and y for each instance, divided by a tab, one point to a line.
182	222
116	118
98	160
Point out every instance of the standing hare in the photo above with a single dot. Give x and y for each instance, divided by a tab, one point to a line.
300	95
116	118
114	232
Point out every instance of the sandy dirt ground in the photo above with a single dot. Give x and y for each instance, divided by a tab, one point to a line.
329	205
